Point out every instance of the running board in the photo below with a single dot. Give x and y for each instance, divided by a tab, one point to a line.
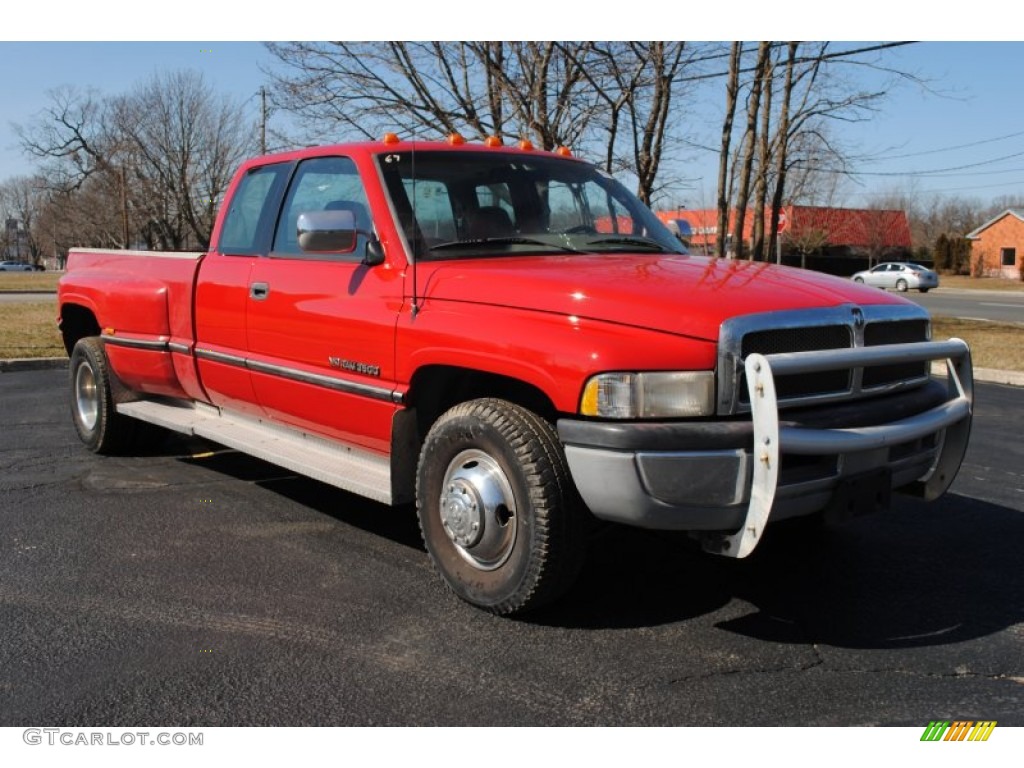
352	469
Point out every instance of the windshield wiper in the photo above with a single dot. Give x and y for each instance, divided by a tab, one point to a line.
633	242
514	240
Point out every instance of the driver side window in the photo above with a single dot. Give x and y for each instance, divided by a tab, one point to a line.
321	184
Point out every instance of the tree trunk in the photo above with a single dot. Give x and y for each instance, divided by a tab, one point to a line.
781	149
763	158
749	146
731	93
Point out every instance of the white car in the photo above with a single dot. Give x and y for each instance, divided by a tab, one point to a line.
899	275
15	266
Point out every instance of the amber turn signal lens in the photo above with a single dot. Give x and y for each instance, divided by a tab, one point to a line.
390	138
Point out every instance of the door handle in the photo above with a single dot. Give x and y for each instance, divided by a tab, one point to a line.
259	291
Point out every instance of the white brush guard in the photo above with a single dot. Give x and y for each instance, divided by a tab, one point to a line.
953	417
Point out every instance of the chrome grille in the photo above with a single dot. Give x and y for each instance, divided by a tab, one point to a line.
840	327
894	332
799	340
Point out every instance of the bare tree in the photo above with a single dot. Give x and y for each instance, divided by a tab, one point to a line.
530	90
807	241
160	157
21	200
182	143
732	90
749	145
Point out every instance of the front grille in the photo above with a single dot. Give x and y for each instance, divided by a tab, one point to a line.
799	340
894	332
841	327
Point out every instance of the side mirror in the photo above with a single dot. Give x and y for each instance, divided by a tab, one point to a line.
327	231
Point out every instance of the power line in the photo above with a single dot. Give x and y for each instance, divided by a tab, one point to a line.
978	143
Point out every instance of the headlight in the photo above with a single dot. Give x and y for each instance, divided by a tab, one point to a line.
649	395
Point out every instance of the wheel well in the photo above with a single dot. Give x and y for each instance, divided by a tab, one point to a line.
437	388
76	322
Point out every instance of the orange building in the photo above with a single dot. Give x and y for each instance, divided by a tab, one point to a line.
823	232
999	245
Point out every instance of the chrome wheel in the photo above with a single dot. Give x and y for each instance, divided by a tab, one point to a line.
478	509
87	403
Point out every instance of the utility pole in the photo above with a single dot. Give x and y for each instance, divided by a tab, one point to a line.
263	121
124	208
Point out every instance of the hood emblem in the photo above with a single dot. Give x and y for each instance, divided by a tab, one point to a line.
858	317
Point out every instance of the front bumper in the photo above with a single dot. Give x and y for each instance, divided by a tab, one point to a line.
728	477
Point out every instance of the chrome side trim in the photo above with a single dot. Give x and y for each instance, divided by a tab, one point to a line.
151	344
316	379
220	357
329	382
192	255
182	349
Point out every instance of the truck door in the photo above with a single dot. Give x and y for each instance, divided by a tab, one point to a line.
321	327
222	287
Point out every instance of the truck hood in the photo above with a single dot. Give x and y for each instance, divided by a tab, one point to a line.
687	295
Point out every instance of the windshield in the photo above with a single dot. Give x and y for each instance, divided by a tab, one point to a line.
469	204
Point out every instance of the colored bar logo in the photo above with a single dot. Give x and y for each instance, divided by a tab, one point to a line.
959	730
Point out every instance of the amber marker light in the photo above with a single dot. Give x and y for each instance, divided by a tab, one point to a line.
492	141
564	152
456	140
525	144
390	138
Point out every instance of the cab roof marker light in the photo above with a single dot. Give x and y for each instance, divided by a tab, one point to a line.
455	139
492	141
390	138
525	144
564	152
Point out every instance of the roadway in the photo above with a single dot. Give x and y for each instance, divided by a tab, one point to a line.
997	306
196	586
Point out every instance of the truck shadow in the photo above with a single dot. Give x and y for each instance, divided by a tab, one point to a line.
923	574
398	524
920	575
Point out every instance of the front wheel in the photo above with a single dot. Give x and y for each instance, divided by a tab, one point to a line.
98	423
858	279
498	511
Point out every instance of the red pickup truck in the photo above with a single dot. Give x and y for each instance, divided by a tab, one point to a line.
509	338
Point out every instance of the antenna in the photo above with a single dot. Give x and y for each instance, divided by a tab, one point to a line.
415	229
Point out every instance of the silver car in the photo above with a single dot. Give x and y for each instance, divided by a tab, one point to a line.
15	266
899	275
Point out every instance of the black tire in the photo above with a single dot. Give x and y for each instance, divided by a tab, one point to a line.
924	290
500	467
901	285
99	425
858	279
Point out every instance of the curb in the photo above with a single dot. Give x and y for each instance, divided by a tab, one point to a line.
32	364
988	375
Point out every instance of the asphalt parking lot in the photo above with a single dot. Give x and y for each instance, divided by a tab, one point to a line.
197	587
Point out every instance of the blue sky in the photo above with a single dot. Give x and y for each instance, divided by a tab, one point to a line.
978	118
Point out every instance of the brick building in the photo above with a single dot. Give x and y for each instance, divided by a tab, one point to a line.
837	240
998	245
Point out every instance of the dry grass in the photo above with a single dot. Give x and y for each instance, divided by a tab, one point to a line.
29	281
963	282
993	345
29	329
